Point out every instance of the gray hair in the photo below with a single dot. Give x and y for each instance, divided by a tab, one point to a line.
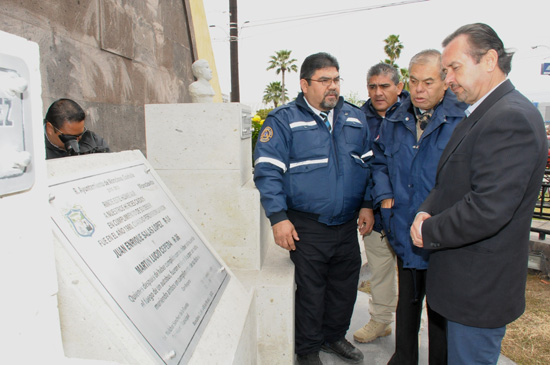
426	56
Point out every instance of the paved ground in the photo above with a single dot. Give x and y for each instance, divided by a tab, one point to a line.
380	350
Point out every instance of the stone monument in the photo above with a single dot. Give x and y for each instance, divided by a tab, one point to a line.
201	91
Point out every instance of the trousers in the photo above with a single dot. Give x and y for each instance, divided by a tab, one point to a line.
473	345
412	290
327	262
383	279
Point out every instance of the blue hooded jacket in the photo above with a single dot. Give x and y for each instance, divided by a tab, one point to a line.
404	169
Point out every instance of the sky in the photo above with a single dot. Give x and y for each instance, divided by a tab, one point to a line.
354	31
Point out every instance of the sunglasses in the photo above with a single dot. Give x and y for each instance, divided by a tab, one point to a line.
64	137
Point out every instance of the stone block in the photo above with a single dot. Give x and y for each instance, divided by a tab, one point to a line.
227	213
203	136
274	294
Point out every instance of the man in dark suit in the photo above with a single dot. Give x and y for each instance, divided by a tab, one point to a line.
476	220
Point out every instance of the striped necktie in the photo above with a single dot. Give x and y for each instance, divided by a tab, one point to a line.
324	116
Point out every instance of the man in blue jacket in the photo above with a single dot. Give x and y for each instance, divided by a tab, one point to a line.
386	94
406	155
312	169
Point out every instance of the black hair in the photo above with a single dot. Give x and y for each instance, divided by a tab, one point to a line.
315	62
62	111
384	69
481	39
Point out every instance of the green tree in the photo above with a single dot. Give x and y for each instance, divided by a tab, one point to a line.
405	78
282	63
274	93
262	113
393	47
353	98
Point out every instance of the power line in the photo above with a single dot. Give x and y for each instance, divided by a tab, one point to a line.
260	23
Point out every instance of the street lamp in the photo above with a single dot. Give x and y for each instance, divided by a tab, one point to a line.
233	37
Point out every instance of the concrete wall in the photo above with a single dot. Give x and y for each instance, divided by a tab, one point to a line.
111	56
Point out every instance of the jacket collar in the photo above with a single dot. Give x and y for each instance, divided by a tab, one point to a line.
492	98
449	107
464	127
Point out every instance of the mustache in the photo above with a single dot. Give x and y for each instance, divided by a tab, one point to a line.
332	92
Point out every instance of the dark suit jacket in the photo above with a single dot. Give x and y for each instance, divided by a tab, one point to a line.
488	180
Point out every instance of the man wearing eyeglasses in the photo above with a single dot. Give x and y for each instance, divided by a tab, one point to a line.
312	168
66	134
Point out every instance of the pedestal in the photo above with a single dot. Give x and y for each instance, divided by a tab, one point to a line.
203	153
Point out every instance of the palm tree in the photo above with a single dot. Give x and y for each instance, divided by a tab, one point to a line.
275	93
405	78
282	63
393	49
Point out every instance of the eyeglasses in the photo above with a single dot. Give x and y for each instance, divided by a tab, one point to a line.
63	136
325	81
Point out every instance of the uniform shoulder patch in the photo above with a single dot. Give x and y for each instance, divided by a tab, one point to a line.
266	135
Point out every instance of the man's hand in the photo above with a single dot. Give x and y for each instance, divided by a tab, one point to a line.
285	235
365	221
416	233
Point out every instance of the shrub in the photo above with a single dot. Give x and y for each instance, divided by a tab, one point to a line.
257	122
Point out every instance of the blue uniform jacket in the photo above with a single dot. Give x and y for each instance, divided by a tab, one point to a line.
404	169
373	121
300	165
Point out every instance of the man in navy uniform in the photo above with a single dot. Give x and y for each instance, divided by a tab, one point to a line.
313	173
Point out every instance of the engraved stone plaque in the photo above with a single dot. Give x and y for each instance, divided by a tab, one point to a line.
145	258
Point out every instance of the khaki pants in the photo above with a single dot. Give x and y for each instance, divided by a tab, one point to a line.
383	281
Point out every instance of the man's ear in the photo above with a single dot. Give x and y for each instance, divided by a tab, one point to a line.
491	60
400	86
49	128
304	85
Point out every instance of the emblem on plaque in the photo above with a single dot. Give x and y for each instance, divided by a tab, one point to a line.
80	223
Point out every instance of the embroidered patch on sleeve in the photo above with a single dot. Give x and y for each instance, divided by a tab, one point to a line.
267	134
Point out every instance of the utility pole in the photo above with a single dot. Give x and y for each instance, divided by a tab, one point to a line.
234	51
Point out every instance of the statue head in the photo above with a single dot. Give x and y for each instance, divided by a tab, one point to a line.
201	70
